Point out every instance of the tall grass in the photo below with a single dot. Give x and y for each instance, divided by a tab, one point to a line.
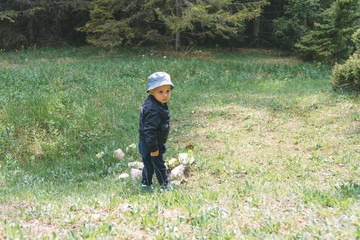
276	149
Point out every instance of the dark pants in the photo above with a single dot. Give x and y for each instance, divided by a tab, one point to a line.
153	165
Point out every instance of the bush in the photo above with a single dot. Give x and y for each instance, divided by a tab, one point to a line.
356	38
348	74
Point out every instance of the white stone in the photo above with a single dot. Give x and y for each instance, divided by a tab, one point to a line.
179	172
124	176
178	182
100	154
119	154
135	174
186	159
173	161
137	165
131	147
175	183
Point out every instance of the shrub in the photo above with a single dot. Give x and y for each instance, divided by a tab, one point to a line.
348	74
356	38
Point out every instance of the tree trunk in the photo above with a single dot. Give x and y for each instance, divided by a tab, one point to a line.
177	41
305	21
256	30
30	29
177	37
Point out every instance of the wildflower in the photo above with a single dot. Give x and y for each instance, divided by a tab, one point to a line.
227	72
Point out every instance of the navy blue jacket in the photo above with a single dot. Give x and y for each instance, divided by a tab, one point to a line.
154	123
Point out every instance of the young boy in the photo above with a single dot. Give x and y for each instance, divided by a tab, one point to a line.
154	129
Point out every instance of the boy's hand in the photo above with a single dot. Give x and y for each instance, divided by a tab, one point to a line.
155	154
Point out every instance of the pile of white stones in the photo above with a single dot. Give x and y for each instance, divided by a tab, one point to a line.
177	168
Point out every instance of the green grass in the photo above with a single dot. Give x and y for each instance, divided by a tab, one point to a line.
277	150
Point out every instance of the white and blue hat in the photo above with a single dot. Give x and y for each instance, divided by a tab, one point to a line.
159	79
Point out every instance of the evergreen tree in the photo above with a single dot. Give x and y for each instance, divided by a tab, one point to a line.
224	18
331	37
299	17
114	22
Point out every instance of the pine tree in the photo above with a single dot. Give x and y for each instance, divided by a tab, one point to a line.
331	37
222	18
299	17
114	22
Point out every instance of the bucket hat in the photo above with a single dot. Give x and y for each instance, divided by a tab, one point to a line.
159	79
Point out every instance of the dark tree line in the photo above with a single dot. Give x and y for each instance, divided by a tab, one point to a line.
24	23
315	29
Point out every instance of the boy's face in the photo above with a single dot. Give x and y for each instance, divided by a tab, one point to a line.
162	93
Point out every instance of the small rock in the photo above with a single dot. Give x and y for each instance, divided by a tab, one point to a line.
119	154
179	172
100	154
137	165
183	180
178	182
175	183
124	176
135	174
186	159
131	147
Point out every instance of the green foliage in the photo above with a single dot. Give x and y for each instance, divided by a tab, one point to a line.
331	37
208	18
113	23
348	74
298	18
8	15
356	39
24	23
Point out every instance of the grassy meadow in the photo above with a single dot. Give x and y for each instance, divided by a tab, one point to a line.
276	148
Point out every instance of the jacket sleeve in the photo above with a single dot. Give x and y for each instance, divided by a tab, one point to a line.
151	123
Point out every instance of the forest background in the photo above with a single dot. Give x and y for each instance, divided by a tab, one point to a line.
319	30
